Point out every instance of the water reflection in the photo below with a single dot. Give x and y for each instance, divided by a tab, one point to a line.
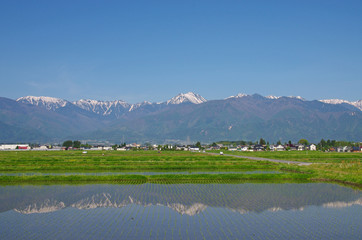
187	199
181	211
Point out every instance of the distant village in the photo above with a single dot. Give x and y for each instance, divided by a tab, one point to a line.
327	146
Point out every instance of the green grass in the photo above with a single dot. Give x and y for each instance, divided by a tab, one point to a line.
27	161
304	156
328	166
345	172
337	167
167	178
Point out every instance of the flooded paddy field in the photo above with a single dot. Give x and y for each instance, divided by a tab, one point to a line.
181	211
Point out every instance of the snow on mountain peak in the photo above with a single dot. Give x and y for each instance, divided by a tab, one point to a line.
101	107
44	207
272	97
84	102
334	101
297	97
138	105
50	103
239	95
357	104
187	97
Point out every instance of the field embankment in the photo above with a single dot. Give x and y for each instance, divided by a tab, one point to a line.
327	166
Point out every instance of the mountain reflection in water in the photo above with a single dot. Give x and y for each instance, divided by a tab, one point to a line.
181	211
189	199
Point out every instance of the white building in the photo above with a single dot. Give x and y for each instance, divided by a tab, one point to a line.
313	147
41	148
14	146
194	149
280	148
244	149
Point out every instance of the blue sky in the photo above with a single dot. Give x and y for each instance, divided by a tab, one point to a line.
153	50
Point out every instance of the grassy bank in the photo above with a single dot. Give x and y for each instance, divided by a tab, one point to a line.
347	173
327	166
166	178
304	156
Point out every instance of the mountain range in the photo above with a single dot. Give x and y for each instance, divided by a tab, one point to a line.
185	118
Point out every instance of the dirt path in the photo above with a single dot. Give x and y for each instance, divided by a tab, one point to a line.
267	159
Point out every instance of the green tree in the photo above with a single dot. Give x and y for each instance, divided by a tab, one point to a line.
67	144
322	144
279	142
76	144
303	141
86	145
262	141
198	144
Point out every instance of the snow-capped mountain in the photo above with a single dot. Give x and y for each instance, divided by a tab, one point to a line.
343	204
189	97
104	108
49	205
357	104
272	97
334	101
49	103
297	97
186	116
183	209
277	97
239	95
106	200
138	105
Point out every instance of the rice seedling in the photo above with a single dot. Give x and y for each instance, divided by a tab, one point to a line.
343	168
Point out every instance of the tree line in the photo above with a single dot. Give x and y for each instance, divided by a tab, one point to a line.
72	144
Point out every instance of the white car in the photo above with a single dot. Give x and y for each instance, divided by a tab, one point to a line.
221	153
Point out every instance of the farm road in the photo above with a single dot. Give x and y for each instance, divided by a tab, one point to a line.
267	159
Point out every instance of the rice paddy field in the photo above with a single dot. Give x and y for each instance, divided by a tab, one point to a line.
177	195
25	161
152	166
181	211
327	166
306	156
